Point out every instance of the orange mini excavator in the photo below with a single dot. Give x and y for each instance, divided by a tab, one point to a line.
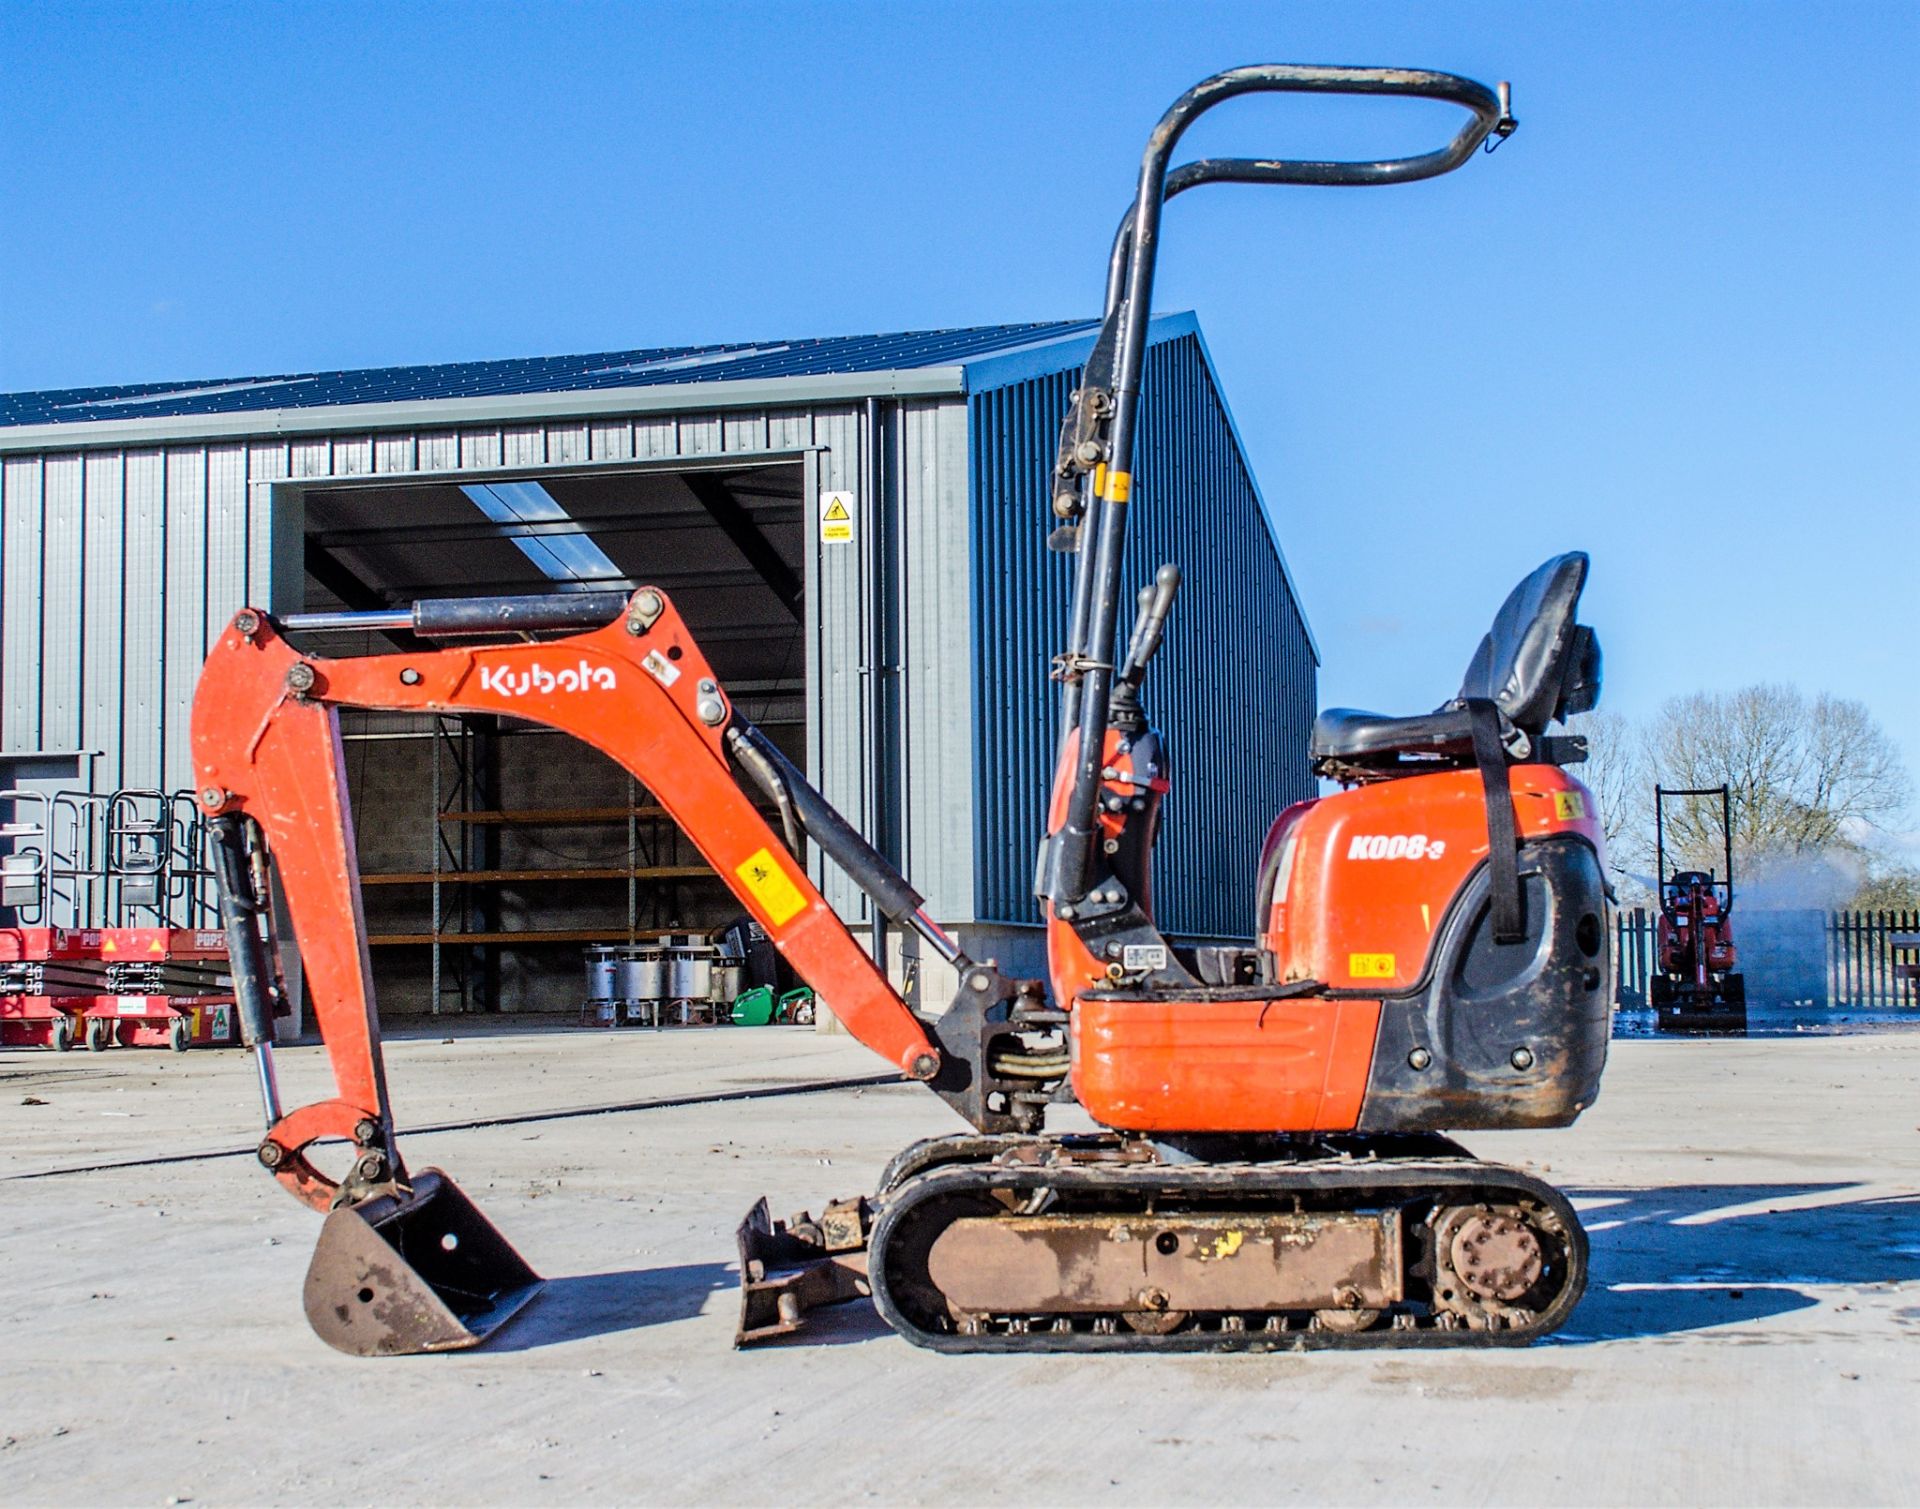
1429	954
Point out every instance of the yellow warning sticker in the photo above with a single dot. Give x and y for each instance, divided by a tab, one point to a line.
1568	806
1119	486
836	518
772	887
1370	966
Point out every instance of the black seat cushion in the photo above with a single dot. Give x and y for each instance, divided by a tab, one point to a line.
1536	664
1348	733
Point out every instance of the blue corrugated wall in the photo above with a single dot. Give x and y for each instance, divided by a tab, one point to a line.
1233	689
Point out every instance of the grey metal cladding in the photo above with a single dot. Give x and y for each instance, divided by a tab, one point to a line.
836	660
1233	689
140	740
103	634
119	565
1019	596
20	535
61	589
185	615
935	657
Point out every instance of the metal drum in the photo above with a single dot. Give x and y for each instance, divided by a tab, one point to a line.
603	984
642	973
729	978
690	972
641	976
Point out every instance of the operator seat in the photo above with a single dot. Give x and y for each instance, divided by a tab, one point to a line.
1537	665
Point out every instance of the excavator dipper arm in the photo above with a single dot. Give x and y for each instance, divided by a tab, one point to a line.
270	774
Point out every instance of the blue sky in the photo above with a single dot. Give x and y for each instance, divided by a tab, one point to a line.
1672	322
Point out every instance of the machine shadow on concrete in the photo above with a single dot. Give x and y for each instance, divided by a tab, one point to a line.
579	1306
1666	1261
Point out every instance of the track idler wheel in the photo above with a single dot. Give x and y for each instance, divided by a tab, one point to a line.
1492	1264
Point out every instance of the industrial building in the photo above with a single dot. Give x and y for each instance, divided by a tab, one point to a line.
856	528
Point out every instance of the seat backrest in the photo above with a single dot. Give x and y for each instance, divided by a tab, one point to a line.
1537	663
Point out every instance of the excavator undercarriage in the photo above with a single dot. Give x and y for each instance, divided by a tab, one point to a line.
1108	1243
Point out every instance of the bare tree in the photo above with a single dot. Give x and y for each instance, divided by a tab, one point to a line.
1853	773
1808	778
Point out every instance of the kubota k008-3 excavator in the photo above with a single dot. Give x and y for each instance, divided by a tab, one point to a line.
1430	949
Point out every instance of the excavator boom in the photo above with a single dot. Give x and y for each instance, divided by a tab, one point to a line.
271	778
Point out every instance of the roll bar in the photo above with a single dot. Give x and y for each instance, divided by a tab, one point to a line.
1660	795
1093	473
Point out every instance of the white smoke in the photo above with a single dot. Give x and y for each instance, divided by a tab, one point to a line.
1821	880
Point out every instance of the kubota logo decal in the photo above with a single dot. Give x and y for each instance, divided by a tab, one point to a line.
1395	846
507	682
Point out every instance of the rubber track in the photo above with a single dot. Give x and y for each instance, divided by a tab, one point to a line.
1329	1184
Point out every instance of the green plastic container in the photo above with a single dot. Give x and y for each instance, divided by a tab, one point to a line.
754	1008
797	1006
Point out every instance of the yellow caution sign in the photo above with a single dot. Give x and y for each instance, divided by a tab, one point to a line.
1569	806
1370	966
836	518
772	887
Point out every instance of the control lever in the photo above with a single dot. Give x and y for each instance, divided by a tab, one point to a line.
1156	602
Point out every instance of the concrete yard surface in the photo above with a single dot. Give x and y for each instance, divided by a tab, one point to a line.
1751	1334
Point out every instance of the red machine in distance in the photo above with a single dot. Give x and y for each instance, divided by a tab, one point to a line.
1694	987
1428	954
99	892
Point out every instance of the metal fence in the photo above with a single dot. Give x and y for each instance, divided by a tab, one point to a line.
1866	959
1633	952
1863	960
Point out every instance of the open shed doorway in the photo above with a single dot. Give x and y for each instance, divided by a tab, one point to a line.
493	852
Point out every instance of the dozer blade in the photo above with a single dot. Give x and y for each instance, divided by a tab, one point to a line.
1684	1016
425	1272
790	1267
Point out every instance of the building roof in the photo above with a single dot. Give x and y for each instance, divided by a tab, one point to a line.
675	365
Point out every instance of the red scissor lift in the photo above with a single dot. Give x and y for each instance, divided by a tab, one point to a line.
107	935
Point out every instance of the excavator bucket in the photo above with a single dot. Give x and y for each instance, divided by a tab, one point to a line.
425	1272
790	1267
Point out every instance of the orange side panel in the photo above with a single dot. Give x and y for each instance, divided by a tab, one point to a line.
1375	868
1223	1066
